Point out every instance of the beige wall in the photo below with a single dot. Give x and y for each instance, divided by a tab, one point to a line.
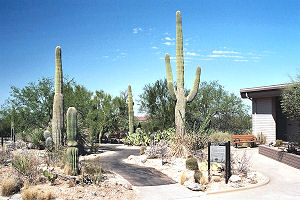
263	118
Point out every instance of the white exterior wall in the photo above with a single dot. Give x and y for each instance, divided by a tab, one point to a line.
263	118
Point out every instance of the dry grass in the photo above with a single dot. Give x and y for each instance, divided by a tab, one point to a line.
10	185
183	178
36	193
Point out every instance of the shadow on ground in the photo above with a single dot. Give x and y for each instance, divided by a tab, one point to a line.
136	175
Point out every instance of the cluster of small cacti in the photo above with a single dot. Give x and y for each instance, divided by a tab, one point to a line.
57	118
48	140
192	164
49	176
197	176
72	151
130	110
179	94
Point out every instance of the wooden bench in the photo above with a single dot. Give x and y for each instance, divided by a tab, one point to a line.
244	139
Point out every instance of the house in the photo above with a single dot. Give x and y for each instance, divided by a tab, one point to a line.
267	116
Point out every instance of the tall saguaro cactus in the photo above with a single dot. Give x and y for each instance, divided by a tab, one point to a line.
72	151
130	110
178	94
57	118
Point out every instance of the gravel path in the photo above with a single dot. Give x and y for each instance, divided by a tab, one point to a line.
136	175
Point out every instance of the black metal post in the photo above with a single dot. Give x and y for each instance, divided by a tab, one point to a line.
227	163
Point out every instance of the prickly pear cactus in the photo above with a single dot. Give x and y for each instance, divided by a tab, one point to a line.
57	118
130	110
72	151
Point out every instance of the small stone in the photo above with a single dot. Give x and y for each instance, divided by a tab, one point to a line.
30	145
194	186
128	186
143	159
16	197
216	178
252	181
251	175
235	178
131	157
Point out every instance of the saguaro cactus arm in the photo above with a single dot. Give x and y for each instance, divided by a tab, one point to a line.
58	70
194	90
170	81
179	52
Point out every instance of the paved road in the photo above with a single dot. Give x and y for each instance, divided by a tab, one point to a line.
136	175
284	181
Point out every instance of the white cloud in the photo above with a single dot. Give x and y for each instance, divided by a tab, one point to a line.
240	60
154	47
105	56
191	54
169	39
123	53
223	56
224	52
136	30
169	43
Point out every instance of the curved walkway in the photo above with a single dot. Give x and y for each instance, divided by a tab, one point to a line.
284	181
136	175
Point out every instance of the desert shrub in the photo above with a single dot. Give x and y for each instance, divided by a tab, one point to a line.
262	138
36	193
192	164
142	150
56	157
10	185
26	166
51	177
157	150
197	176
92	172
241	163
278	143
182	146
220	137
5	156
37	138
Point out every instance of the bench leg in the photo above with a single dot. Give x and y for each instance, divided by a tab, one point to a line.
235	145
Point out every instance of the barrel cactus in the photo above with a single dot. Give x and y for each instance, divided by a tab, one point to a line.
179	94
130	110
57	118
72	151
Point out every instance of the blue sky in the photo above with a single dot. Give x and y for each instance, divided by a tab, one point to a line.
108	44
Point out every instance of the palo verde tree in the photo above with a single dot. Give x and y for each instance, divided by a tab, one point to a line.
179	94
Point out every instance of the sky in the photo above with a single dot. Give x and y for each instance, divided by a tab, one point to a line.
108	44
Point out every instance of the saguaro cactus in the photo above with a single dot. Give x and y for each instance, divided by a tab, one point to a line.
178	94
57	118
72	151
130	110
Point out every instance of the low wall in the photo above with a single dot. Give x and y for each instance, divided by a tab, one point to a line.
284	157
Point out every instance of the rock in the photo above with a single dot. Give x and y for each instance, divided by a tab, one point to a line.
30	146
131	157
252	181
235	178
128	186
16	197
189	175
194	186
216	178
251	175
143	159
4	198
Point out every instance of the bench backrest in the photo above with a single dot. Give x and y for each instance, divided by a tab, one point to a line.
243	137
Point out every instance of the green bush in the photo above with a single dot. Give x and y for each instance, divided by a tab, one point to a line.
37	138
26	166
191	164
92	172
278	143
220	137
142	150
